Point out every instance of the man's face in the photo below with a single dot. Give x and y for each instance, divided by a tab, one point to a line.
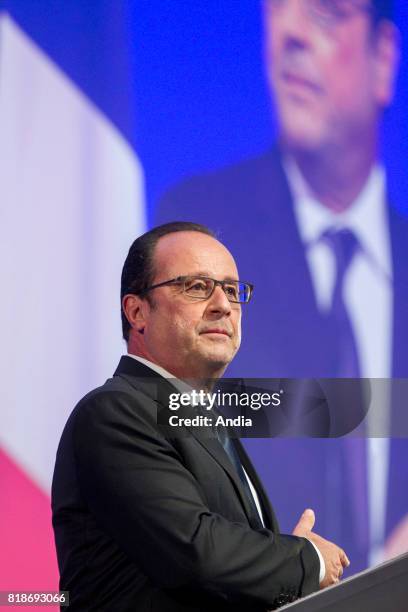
330	78
191	338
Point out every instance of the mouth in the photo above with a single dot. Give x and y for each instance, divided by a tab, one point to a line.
217	332
298	83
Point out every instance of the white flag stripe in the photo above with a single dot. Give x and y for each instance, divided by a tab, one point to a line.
71	204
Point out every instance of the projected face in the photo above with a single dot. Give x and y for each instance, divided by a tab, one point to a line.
331	71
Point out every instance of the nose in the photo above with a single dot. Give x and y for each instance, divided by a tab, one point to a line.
293	22
218	304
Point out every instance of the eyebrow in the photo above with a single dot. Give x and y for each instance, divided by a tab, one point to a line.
208	275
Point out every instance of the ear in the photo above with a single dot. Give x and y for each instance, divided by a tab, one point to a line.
386	57
136	311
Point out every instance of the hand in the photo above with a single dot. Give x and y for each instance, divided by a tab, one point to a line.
334	557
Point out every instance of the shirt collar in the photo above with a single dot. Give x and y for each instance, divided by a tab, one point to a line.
178	384
366	217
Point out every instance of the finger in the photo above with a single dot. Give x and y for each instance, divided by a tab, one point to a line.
336	574
344	558
306	522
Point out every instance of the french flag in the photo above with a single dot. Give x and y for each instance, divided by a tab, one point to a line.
72	201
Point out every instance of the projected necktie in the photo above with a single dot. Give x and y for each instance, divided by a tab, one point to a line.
344	246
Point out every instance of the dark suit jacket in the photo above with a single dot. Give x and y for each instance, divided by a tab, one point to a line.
250	206
147	522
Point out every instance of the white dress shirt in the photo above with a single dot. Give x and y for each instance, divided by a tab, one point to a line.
368	298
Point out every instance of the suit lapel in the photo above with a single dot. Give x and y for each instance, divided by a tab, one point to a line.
270	519
143	379
399	233
399	245
214	448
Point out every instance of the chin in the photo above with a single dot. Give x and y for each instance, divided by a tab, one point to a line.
302	131
218	360
304	140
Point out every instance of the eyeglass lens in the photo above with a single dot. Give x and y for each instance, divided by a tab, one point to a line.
201	288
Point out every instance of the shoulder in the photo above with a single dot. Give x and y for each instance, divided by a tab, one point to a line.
193	197
116	406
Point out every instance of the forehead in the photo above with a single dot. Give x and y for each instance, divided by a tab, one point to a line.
183	253
307	18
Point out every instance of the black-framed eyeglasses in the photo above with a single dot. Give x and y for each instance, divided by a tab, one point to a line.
332	12
202	288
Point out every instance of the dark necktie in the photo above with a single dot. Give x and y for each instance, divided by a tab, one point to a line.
344	246
229	445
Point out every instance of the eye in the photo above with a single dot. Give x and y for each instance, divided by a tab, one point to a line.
231	291
331	8
196	286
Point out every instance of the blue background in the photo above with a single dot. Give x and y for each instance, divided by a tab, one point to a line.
183	80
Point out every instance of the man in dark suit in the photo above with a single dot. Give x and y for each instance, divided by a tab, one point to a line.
145	519
312	224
